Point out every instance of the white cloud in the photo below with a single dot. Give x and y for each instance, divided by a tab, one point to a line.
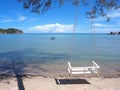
114	14
100	19
21	18
7	20
106	30
105	25
118	22
31	20
100	25
54	28
111	14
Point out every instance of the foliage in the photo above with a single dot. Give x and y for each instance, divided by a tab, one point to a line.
114	33
10	31
96	7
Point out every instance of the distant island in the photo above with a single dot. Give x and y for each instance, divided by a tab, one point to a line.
10	31
114	33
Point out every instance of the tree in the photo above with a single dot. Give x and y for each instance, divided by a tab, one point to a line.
10	31
118	32
96	7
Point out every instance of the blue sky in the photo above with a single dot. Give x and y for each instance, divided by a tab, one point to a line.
56	20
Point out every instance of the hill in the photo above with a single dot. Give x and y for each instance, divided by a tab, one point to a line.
10	31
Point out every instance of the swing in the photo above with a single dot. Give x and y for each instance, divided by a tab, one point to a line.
94	69
84	70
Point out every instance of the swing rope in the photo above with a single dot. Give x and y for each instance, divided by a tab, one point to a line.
93	36
74	29
94	39
92	30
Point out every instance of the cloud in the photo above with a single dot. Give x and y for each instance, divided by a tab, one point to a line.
104	25
111	14
106	30
31	20
114	14
7	20
103	28
21	18
100	19
10	19
100	25
54	28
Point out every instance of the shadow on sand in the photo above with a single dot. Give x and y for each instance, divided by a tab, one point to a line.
11	66
71	81
14	64
14	73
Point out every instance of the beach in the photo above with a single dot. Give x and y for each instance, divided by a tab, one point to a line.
70	83
67	45
35	62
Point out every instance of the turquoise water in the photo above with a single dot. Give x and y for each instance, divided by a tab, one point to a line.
39	55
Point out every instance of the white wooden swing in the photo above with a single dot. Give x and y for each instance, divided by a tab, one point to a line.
84	70
91	70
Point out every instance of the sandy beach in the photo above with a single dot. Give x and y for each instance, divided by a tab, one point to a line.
60	83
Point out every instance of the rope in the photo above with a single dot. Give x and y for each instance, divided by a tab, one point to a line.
92	30
93	35
74	30
94	38
76	19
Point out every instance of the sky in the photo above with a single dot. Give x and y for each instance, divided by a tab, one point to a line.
56	20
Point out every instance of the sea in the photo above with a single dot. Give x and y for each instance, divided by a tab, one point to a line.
47	54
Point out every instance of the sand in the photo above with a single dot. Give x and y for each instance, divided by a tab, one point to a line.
60	83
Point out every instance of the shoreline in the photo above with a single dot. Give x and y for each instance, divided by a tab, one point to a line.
55	72
54	76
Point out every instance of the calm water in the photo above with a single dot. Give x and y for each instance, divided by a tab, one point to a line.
39	55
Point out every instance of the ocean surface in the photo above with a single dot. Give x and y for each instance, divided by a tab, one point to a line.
38	54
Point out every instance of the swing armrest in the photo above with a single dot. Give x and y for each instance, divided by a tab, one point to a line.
95	64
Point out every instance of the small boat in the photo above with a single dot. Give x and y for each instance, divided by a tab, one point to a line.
52	38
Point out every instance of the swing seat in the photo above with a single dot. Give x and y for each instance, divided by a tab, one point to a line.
84	70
